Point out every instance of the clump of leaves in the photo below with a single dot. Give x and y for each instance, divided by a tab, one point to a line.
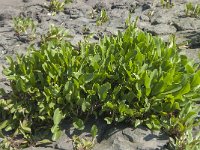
166	3
57	6
23	25
133	78
55	33
84	143
192	10
102	18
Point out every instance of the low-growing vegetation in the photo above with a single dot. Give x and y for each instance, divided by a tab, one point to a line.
192	10
24	25
133	78
166	3
102	18
57	6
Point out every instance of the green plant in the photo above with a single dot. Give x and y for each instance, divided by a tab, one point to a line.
166	3
56	6
55	33
102	18
192	10
132	78
24	26
83	143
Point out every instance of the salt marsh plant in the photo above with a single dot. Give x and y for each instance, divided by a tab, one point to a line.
166	3
102	18
133	77
192	10
56	6
24	25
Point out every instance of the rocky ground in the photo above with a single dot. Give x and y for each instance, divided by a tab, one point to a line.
79	18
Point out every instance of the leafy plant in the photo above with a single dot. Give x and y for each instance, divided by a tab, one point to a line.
192	10
132	78
83	143
24	25
166	3
56	6
102	18
55	33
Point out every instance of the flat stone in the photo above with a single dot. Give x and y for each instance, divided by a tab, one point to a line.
129	139
186	24
161	29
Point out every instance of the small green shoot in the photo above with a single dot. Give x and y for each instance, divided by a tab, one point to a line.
102	18
84	143
166	3
192	10
56	6
24	25
55	33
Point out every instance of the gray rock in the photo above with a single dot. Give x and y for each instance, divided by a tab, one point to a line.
186	24
129	139
161	29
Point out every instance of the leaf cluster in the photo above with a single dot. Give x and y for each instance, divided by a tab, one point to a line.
102	18
57	6
22	25
133	78
166	3
192	10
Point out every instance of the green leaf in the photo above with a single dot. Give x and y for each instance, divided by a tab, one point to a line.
87	77
25	128
85	105
147	83
196	79
108	120
55	128
137	122
149	125
57	117
56	135
78	124
103	91
94	131
172	89
185	89
44	141
4	124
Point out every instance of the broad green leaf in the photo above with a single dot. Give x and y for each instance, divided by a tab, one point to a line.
158	88
139	92
149	125
189	68
9	128
24	126
58	116
108	120
147	84
56	135
196	79
87	77
44	141
103	91
172	89
78	124
189	117
85	105
186	88
137	123
55	128
4	124
94	131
